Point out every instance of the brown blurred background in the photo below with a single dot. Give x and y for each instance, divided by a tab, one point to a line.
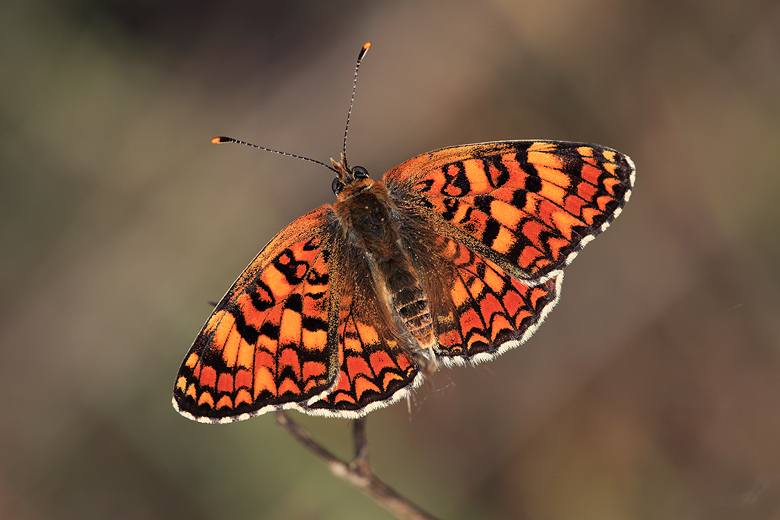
651	392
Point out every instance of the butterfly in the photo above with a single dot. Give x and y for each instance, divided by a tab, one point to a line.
453	257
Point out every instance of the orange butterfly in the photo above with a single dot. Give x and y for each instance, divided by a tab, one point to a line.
455	256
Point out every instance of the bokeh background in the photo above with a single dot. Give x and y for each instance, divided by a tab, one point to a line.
651	392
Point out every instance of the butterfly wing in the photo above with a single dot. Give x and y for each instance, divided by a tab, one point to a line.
484	311
376	370
501	220
295	331
527	206
270	342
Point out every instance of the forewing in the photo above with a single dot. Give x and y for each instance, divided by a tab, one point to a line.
527	206
267	344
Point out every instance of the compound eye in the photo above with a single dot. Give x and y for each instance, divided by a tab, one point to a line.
337	186
360	173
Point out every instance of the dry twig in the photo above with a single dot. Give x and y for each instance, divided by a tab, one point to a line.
358	472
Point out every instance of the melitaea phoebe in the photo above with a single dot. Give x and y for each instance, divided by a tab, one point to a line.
455	256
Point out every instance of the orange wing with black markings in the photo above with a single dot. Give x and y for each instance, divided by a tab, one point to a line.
269	344
488	311
375	369
295	333
529	206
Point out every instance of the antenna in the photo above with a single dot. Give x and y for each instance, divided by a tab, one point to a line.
362	53
223	139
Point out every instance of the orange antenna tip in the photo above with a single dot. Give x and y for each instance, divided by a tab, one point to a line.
217	140
364	50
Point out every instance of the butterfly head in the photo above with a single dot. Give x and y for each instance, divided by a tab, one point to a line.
350	181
